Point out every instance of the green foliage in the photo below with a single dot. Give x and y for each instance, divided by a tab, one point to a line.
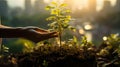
20	45
110	51
4	49
60	17
27	45
85	44
70	53
14	46
113	42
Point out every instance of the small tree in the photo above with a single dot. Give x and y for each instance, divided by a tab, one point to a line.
60	17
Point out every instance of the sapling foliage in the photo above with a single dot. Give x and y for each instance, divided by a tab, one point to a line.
59	17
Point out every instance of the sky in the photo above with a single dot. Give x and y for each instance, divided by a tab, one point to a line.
20	3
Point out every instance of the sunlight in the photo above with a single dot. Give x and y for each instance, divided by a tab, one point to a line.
81	31
78	3
46	1
81	3
84	3
105	38
88	27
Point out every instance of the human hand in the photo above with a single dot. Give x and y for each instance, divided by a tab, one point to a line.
36	34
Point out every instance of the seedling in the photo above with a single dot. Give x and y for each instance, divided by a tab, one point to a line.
59	17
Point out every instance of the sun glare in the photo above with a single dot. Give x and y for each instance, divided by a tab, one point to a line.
83	3
78	3
46	0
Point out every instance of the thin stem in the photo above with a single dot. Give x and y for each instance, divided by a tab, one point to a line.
60	38
60	30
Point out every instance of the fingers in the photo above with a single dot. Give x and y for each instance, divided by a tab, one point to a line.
40	30
36	40
46	36
36	29
54	34
51	34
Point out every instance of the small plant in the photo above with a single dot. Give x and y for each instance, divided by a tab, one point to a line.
113	42
4	49
60	17
85	44
110	51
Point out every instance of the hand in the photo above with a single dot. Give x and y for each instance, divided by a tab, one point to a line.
36	34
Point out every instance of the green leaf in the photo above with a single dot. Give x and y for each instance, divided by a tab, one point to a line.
55	12
54	3
48	7
63	5
84	40
74	39
67	11
52	24
65	25
72	28
68	17
51	18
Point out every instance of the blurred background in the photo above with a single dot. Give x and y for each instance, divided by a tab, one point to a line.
93	18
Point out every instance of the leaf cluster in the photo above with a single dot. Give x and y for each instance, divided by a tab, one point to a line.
60	16
109	53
